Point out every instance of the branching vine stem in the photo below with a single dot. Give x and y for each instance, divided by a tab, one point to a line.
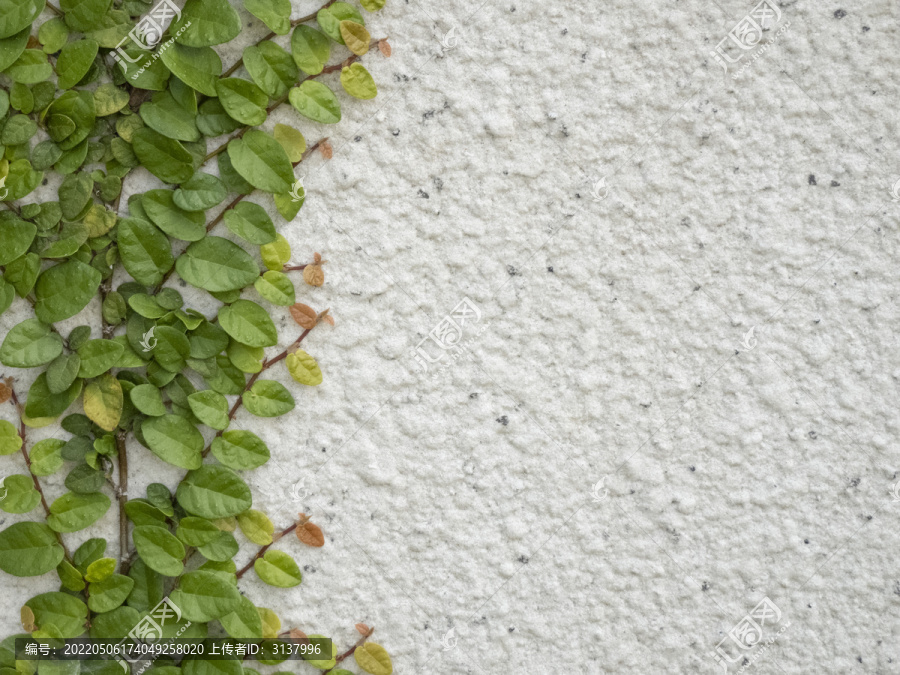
20	412
262	551
122	498
349	652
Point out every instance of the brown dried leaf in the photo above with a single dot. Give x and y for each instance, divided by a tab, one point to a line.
297	634
304	315
326	149
328	319
5	392
313	275
28	619
317	258
310	534
33	43
385	48
363	629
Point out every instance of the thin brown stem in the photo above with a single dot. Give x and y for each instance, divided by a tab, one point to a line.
55	10
268	363
349	652
262	551
294	24
122	498
14	399
325	71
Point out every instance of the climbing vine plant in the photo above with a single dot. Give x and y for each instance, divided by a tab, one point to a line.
95	93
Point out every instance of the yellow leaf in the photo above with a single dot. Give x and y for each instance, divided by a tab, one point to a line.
100	570
303	368
291	140
373	658
256	526
276	254
271	624
228	524
103	402
356	37
99	221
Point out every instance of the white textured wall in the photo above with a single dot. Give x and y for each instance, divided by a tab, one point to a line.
609	343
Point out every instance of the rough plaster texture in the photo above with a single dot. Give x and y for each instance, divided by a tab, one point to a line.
606	477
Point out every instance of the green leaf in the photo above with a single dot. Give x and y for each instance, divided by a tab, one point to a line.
103	402
147	399
239	449
142	512
372	5
174	439
268	398
174	221
216	264
248	323
19	495
194	531
108	594
73	512
247	359
357	82
29	549
262	162
17	130
206	23
98	356
277	568
109	99
277	288
31	67
213	120
46	457
214	492
29	344
210	407
166	116
291	140
71	118
64	612
355	36
329	19
11	48
84	15
85	479
164	157
64	290
243	100
159	549
310	49
276	254
244	622
10	441
42	402
62	372
205	596
197	67
271	67
70	577
314	100
22	179
16	236
100	569
250	222
221	549
276	14
74	61
303	368
257	527
373	658
203	191
18	14
146	252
